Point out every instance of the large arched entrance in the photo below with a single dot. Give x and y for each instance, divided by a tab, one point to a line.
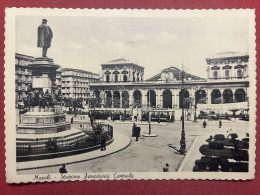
227	96
240	95
97	101
137	99
125	99
200	97
108	99
151	99
167	99
215	97
116	99
184	100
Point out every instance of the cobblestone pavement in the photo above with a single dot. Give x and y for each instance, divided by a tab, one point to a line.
149	154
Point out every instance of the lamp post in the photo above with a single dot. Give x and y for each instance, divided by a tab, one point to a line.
149	119
149	114
182	141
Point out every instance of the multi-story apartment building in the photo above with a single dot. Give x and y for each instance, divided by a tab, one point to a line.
75	83
23	76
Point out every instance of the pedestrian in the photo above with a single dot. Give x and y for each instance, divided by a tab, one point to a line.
220	124
103	143
204	124
133	130
71	120
91	121
63	169
166	168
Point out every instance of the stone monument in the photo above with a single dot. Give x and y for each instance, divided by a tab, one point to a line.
43	68
44	132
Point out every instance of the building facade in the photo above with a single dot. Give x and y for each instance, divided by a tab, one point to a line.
228	66
165	90
23	76
75	83
122	70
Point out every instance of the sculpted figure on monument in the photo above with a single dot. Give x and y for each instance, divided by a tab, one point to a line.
44	37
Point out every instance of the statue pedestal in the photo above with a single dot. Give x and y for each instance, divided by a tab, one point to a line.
43	73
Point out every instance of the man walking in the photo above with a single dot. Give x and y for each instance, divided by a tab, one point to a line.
220	124
204	124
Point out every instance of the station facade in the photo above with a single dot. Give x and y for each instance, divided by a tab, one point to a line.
165	90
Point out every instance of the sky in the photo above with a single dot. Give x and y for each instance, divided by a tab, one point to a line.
155	43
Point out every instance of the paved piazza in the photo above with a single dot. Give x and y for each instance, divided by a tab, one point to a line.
149	154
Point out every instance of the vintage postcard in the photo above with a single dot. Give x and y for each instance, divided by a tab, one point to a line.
129	94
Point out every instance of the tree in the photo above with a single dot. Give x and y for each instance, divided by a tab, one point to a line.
75	103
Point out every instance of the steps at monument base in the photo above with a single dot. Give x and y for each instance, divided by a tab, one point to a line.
60	154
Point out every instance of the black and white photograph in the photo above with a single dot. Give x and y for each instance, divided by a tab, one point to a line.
129	94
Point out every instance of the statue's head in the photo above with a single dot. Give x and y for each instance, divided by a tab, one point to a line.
44	21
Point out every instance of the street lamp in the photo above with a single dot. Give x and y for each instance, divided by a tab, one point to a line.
149	114
149	118
182	141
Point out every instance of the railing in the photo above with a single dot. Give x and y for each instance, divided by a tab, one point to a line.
227	79
56	145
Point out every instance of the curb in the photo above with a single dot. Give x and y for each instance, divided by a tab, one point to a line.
187	156
62	160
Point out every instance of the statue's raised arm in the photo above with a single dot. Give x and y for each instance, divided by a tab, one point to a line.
44	37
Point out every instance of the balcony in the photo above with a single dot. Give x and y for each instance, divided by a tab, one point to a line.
28	80
20	88
223	79
18	79
27	73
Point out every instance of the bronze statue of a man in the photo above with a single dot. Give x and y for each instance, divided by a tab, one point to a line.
44	37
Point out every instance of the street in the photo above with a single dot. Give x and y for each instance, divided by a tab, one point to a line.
150	154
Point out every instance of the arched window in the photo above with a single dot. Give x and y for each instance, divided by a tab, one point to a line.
240	95
239	73
107	78
227	74
125	78
116	78
215	74
227	96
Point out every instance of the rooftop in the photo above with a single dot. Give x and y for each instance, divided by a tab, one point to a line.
18	55
176	73
227	54
120	61
78	70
